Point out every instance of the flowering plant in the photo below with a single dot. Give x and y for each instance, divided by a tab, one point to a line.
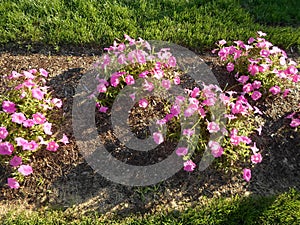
225	134
259	66
27	114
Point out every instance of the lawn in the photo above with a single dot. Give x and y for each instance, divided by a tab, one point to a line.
197	24
31	27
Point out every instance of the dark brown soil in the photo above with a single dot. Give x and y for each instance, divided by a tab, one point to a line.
63	179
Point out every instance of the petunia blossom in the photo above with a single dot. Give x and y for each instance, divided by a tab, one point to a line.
25	170
216	149
256	95
256	158
247	174
47	128
213	127
166	84
275	90
39	118
64	139
6	148
15	161
52	146
189	166
143	103
18	118
158	137
3	133
9	107
37	93
129	80
13	183
181	151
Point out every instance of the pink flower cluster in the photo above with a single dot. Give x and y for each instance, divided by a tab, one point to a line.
259	60
260	67
196	102
24	113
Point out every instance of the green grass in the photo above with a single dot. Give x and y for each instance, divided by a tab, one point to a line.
280	209
197	24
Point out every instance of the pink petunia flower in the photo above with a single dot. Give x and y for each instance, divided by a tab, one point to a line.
188	132
256	84
28	75
235	140
132	96
158	74
43	72
6	148
148	86
161	122
13	183
28	123
21	141
230	67
144	74
213	127
256	158
195	92
143	103
103	109
216	149
286	92
30	145
57	102
256	95
192	108
253	69
172	61
32	71
18	118
181	151
64	139
114	80
275	90
264	53
158	137
9	107
201	111
47	128
39	118
189	166
52	146
37	93
176	80
129	80
166	84
175	110
15	161
222	42
3	133
25	170
14	75
243	79
295	122
247	88
247	174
